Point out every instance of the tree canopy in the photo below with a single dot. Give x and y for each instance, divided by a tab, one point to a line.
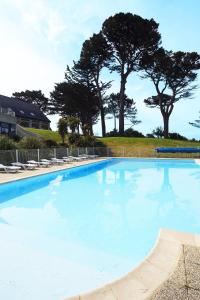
129	36
173	75
34	97
73	99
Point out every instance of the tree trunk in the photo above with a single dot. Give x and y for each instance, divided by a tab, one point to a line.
115	123
103	124
121	105
166	125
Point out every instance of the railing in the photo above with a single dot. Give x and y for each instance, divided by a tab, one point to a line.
23	155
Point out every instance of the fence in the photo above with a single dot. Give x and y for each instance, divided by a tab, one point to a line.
23	155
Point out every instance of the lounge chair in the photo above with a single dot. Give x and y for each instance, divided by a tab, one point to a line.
57	161
46	161
9	169
38	163
24	166
67	159
76	158
83	156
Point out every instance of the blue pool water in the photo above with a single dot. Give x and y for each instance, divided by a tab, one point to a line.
71	231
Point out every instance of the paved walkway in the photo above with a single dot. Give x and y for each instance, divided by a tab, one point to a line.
7	177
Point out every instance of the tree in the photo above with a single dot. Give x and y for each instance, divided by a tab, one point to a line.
95	55
34	97
172	74
75	100
62	128
196	123
130	110
73	123
129	36
158	132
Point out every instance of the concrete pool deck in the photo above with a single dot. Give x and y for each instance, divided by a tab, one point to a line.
22	174
171	271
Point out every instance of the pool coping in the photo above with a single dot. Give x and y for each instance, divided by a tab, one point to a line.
67	166
26	174
149	277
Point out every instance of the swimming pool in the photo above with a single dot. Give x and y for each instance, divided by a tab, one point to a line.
71	231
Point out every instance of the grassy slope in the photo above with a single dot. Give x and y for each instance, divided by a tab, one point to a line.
144	146
46	134
134	146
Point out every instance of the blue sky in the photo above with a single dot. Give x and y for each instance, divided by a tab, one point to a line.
39	38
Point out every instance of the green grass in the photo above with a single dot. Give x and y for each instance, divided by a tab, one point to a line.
46	134
145	147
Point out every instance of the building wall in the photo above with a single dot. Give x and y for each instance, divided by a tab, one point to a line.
32	123
7	124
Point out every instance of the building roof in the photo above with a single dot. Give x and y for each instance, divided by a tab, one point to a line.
23	109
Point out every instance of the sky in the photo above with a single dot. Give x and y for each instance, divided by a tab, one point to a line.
39	38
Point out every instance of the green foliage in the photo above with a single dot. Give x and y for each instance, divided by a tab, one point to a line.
6	143
171	72
129	37
73	139
177	136
81	141
63	128
31	143
50	143
133	133
46	134
73	123
33	97
127	133
158	132
86	141
74	99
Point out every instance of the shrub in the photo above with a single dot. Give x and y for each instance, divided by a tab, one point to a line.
86	141
132	133
150	135
177	136
31	143
112	133
6	143
51	143
73	139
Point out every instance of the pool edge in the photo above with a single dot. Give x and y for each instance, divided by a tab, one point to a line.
151	276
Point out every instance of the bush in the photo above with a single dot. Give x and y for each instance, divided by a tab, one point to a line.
31	143
150	135
86	141
177	136
50	143
6	143
112	133
73	139
132	133
81	141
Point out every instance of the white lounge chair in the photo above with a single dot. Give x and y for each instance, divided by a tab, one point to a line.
76	158
57	161
9	169
38	163
50	162
67	159
24	166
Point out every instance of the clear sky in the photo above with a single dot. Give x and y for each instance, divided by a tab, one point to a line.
39	38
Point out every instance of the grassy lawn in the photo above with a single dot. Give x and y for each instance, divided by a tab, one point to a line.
145	147
46	134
